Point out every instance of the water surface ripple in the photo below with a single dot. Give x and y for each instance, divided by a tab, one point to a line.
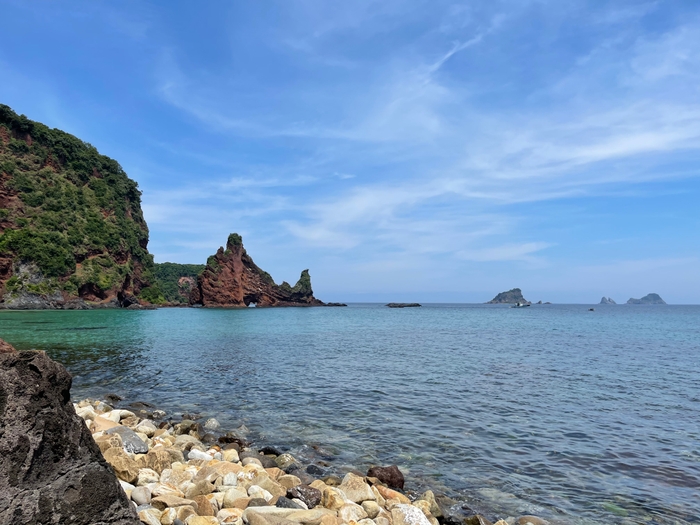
577	416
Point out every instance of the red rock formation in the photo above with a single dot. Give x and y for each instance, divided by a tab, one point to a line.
232	279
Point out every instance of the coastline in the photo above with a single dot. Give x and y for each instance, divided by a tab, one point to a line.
190	468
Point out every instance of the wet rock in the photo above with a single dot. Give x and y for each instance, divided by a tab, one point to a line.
268	450
131	441
435	509
287	462
477	519
332	481
40	428
212	424
531	520
315	470
391	476
305	493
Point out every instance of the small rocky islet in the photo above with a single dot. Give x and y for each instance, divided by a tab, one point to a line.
193	473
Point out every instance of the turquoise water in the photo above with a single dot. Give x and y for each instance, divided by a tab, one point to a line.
576	416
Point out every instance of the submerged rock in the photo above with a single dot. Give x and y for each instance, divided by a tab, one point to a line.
51	470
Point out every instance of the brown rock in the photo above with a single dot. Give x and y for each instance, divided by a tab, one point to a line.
158	459
204	507
388	494
476	520
391	476
163	502
531	520
231	279
124	467
6	348
309	495
105	442
51	470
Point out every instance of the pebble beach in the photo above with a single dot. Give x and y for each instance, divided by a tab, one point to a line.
196	473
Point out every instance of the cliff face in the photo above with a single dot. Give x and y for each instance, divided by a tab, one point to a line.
510	297
232	279
71	227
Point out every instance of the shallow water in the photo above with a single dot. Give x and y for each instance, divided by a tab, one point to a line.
576	416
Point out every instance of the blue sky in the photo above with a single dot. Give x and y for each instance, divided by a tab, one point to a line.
401	150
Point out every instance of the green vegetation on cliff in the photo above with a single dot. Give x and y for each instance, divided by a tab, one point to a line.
69	210
168	280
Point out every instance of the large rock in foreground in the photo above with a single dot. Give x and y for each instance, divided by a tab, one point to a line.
232	279
510	297
51	470
652	298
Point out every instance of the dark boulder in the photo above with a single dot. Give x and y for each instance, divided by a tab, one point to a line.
51	470
286	503
392	476
308	495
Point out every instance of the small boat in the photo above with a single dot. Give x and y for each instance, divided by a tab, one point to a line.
520	305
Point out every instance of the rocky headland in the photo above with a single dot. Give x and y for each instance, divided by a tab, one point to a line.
72	233
652	298
510	297
232	280
607	300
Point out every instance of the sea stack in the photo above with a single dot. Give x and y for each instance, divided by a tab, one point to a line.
607	300
510	297
652	298
232	280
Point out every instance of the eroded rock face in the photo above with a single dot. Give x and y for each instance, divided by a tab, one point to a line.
232	279
510	297
51	470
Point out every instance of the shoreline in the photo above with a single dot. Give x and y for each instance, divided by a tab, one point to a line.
164	463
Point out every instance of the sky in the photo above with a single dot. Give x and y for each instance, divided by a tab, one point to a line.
405	150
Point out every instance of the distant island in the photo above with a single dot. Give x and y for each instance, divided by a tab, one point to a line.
652	298
608	300
403	305
510	297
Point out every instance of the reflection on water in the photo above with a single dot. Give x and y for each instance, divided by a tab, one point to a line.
552	410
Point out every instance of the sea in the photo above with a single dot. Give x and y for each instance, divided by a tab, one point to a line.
576	416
